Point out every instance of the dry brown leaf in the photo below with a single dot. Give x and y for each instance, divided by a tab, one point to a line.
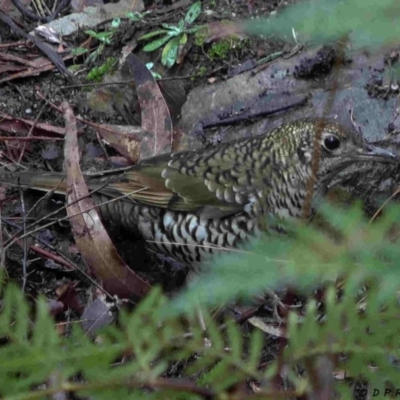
126	143
89	233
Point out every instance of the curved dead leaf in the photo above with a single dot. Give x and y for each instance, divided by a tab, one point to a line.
90	236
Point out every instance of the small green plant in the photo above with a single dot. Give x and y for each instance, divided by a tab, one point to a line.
202	71
220	51
104	38
173	36
96	74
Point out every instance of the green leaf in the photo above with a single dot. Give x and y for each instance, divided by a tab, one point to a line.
235	339
79	51
183	39
194	29
156	44
44	335
193	12
104	37
255	349
156	75
151	34
170	52
175	29
137	16
133	16
116	22
91	33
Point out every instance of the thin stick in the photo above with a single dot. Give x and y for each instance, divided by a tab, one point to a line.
25	244
27	138
396	192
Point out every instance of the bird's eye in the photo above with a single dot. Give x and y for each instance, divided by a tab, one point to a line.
331	142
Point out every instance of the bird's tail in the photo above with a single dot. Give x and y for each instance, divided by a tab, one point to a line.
124	213
43	181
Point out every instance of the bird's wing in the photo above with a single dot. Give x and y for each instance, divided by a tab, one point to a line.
218	181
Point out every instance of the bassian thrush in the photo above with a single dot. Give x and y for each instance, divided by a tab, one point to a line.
188	204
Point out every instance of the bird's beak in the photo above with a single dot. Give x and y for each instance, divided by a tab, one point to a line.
373	153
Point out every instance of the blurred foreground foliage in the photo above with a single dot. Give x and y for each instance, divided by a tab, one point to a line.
367	23
352	335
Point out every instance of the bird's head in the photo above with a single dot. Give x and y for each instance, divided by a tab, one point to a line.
338	148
